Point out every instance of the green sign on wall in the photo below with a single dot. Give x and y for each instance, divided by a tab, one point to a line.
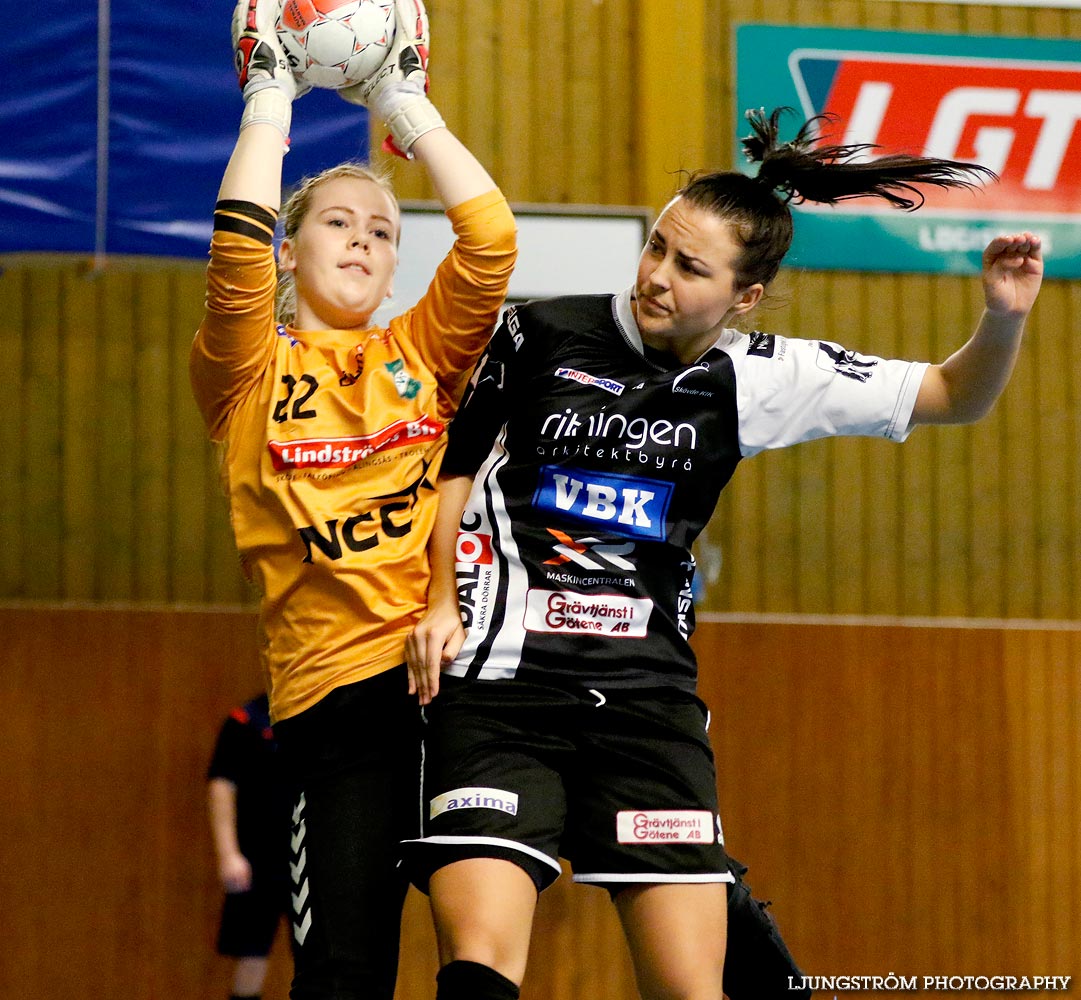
1012	104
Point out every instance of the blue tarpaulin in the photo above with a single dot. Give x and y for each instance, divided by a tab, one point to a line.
123	154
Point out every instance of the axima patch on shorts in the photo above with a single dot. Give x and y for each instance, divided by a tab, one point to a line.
474	798
664	826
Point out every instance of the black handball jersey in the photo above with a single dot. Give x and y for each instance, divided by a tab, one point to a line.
596	466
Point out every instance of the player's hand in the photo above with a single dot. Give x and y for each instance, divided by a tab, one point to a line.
432	645
258	54
1012	273
235	873
404	71
397	91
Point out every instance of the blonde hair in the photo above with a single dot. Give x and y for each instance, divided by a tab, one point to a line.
296	209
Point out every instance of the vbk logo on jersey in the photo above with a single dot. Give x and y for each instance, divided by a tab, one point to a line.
626	505
1018	117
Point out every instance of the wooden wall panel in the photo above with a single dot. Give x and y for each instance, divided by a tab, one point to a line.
106	866
909	797
112	491
41	437
905	793
81	530
153	425
13	485
543	92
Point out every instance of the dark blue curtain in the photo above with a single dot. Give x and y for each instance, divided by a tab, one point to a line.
173	110
48	117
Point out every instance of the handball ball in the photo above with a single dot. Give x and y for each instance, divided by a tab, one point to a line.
335	43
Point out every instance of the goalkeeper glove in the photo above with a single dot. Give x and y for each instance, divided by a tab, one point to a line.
397	91
266	81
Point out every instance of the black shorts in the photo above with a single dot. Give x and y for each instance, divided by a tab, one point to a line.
354	761
620	783
249	920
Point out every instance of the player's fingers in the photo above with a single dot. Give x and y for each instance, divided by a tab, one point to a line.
416	663
424	644
1013	245
453	645
432	663
411	650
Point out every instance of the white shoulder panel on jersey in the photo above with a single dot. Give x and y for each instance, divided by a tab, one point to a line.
488	586
623	313
789	390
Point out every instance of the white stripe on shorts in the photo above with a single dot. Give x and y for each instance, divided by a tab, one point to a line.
495	842
651	877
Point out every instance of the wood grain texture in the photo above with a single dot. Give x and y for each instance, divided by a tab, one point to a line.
909	795
111	490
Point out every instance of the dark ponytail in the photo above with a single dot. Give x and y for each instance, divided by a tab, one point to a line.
829	174
801	171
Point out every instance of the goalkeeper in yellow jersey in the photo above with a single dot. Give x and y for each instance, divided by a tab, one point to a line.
332	431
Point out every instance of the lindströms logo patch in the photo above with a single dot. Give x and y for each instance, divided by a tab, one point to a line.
341	452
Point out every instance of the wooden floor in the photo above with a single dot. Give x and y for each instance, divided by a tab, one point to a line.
909	795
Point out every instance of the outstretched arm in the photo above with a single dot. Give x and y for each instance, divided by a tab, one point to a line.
439	635
964	387
235	340
254	171
397	94
455	172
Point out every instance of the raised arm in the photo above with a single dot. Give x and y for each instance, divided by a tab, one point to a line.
964	387
235	339
254	171
397	94
439	635
455	172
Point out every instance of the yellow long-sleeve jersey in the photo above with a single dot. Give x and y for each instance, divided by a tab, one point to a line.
332	444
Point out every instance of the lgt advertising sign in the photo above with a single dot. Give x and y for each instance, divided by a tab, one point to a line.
1012	104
